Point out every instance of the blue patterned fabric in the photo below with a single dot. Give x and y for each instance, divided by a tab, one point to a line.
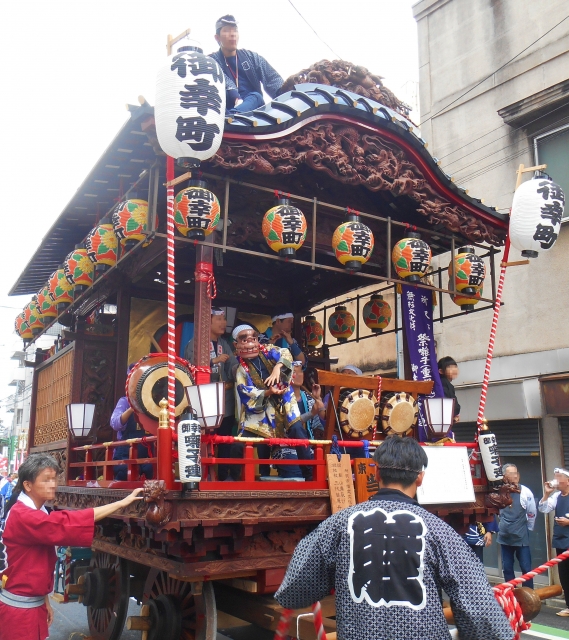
388	560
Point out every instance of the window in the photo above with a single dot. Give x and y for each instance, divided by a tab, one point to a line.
552	149
19	414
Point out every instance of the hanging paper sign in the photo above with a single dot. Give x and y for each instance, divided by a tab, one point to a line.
340	483
537	210
417	307
490	456
190	105
189	444
367	484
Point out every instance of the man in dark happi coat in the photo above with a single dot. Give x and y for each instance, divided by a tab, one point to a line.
388	560
244	70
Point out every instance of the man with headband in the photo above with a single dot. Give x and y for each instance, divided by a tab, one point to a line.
389	559
268	405
244	70
280	334
222	362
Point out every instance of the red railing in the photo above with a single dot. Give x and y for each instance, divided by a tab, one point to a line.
92	472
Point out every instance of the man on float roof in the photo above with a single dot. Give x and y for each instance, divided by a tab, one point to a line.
280	334
244	70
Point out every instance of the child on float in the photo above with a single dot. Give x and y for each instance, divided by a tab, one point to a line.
30	535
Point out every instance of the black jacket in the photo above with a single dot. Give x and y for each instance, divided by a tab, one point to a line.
450	392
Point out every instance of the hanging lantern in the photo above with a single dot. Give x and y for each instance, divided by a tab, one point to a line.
341	324
468	272
22	328
284	228
190	105
78	270
46	306
353	243
102	246
537	210
376	313
33	318
411	257
60	290
467	304
313	331
197	211
130	219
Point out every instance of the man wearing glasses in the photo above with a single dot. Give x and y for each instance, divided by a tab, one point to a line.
244	70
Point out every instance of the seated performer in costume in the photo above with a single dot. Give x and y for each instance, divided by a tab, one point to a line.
388	560
123	421
280	334
31	535
244	70
222	362
268	405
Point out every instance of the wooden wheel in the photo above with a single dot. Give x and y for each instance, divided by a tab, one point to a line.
106	596
179	610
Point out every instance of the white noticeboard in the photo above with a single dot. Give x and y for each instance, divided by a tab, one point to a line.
447	477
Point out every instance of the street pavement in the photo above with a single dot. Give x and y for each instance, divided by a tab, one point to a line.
70	623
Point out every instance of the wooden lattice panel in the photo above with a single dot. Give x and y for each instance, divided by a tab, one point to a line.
54	392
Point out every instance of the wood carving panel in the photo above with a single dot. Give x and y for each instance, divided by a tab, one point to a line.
263	509
98	381
354	157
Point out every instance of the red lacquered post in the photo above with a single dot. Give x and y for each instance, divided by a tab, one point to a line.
249	468
164	446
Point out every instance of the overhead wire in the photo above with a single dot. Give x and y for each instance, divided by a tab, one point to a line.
524	126
543	130
314	31
493	72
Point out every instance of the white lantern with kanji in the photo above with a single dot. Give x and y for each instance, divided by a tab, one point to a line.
535	221
190	105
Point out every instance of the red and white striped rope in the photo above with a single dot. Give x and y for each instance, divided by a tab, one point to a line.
171	293
282	627
318	622
490	354
504	594
378	396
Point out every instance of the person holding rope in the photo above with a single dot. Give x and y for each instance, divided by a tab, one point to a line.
556	498
31	535
388	560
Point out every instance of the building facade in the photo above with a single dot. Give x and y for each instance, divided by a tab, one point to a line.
494	94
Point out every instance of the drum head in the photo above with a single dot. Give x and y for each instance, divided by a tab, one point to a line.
359	413
147	385
399	414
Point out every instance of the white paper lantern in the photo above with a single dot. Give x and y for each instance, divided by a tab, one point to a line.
189	444
537	210
490	456
190	105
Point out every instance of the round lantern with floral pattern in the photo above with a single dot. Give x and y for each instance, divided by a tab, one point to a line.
313	331
467	304
130	219
60	291
376	313
33	317
46	306
22	327
78	270
197	211
468	271
341	324
284	228
353	243
411	257
102	248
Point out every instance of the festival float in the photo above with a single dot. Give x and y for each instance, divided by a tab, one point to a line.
321	192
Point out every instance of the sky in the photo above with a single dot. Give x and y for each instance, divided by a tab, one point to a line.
69	67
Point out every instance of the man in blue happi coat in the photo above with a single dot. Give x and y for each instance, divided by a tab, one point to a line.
244	70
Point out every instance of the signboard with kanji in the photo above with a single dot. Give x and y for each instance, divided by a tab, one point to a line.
366	478
340	482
